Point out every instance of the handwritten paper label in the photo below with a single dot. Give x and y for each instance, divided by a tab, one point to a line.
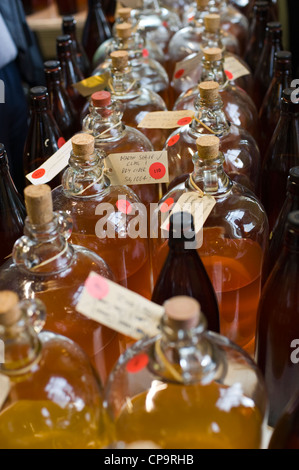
199	206
51	167
137	168
166	119
185	67
119	308
90	85
5	386
234	69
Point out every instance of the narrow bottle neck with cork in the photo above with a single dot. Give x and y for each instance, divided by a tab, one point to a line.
209	175
212	35
122	81
209	111
202	9
44	248
213	68
129	40
104	121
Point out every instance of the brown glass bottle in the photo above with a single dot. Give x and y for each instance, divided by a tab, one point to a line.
270	109
184	273
44	136
265	66
12	210
282	155
67	7
69	26
257	33
291	204
70	72
109	8
61	104
286	432
273	9
96	29
278	324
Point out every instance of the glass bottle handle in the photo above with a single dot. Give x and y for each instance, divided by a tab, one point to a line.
65	224
35	312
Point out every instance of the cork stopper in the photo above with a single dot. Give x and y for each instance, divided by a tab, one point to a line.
39	205
101	98
119	59
124	30
208	147
83	145
9	308
212	53
124	13
209	90
202	3
212	23
182	312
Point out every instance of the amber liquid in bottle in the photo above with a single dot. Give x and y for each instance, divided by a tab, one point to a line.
96	29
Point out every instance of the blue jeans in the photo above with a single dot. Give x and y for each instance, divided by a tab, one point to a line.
14	122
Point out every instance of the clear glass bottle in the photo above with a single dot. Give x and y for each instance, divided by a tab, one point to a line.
270	110
265	67
12	210
146	71
184	263
286	432
235	236
69	26
238	106
104	216
47	267
240	151
278	324
112	136
257	32
61	105
187	388
55	399
44	136
282	155
96	29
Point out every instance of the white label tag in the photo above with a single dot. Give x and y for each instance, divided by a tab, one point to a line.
5	386
200	207
166	119
184	67
53	166
137	168
119	308
234	69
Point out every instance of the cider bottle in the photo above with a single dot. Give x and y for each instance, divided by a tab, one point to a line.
69	26
12	210
112	136
187	387
109	9
46	266
183	262
55	398
282	155
286	431
257	32
234	238
96	28
67	7
278	324
240	150
270	110
105	217
44	136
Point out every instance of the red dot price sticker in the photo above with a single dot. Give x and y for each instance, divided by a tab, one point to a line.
234	68
120	309
187	66
53	166
137	168
166	119
137	363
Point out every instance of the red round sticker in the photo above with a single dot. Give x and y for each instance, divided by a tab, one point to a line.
38	173
191	18
173	140
145	53
137	363
229	74
165	24
60	142
97	287
124	206
179	73
184	121
157	170
167	205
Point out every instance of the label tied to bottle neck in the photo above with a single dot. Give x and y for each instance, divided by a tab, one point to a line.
5	387
137	168
119	308
234	69
51	167
187	66
166	119
90	85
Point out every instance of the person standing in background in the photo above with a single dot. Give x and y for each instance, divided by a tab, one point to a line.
21	66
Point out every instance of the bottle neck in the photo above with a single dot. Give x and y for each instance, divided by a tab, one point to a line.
6	180
40	105
213	70
122	81
210	39
210	115
291	242
134	45
151	5
209	176
105	122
